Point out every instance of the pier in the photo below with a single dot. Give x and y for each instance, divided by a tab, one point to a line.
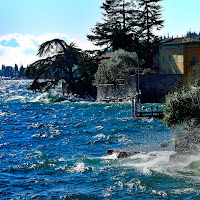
152	113
137	110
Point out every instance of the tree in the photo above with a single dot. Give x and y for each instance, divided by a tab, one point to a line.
88	65
57	66
129	25
149	19
118	28
121	64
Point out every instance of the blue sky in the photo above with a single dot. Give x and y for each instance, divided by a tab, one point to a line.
26	24
180	16
72	17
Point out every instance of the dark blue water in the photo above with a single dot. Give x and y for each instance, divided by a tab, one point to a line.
52	150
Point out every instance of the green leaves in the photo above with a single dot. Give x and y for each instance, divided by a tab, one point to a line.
58	65
52	47
183	107
121	64
117	30
129	25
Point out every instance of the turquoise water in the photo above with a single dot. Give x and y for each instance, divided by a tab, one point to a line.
57	150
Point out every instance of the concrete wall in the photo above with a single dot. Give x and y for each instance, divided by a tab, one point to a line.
154	87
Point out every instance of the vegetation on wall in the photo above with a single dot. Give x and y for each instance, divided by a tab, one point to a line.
148	71
121	64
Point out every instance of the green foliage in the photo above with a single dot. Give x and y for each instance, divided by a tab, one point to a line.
129	25
118	28
87	68
183	107
121	64
193	77
148	71
58	66
149	20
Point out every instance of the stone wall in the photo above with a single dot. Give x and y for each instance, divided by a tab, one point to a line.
154	87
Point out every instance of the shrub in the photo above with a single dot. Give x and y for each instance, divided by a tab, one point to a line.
148	71
183	107
121	64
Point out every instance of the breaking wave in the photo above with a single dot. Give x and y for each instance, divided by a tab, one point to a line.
58	150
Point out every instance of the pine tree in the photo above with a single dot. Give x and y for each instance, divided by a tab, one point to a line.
119	25
150	19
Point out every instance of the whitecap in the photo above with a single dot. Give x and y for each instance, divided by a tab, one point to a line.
99	127
39	135
62	160
101	135
47	97
160	193
112	156
2	113
79	167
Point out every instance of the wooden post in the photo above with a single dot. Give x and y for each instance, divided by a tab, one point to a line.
134	110
157	110
152	111
136	104
134	107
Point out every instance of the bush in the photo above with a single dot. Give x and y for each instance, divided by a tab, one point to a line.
148	71
183	107
121	64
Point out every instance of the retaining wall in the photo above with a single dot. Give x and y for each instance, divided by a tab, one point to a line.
154	87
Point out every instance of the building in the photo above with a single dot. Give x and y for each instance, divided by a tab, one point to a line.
21	71
180	56
3	67
9	71
16	68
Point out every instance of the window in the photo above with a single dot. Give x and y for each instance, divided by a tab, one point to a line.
163	71
193	60
169	57
176	58
163	59
158	60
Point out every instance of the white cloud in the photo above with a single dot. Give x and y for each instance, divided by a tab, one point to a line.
84	44
23	52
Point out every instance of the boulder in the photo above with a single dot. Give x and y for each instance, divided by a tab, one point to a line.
122	153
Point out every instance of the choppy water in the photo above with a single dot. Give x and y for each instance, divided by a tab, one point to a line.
54	150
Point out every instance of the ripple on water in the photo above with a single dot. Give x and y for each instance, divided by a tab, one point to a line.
57	150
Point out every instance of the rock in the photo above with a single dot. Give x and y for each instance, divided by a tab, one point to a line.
163	145
112	151
126	154
107	100
121	153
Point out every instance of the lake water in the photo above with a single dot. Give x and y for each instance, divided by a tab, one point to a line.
57	150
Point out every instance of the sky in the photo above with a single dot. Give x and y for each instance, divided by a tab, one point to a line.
26	24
